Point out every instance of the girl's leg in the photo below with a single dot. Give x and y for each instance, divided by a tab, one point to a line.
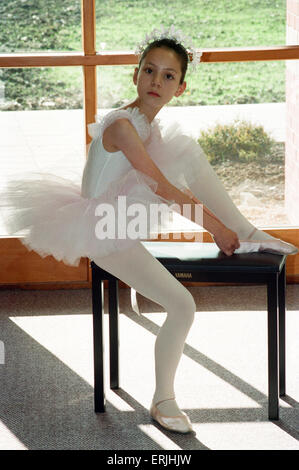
210	190
140	270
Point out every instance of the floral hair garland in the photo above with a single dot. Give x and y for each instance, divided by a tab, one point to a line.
177	36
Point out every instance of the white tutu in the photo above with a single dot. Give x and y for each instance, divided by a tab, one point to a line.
55	216
178	156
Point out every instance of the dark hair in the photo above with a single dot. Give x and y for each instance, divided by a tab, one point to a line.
173	45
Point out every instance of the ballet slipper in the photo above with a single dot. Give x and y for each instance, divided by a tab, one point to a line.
287	248
179	423
274	245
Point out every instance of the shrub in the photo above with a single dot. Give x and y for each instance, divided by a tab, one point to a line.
240	141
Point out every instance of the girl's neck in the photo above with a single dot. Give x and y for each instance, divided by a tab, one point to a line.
148	111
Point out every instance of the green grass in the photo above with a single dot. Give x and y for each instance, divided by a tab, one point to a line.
210	23
32	25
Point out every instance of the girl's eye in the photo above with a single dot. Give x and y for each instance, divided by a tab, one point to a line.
169	76
148	70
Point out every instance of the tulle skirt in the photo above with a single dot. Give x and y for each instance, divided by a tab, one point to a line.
50	216
180	158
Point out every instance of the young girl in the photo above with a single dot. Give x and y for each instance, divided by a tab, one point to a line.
129	157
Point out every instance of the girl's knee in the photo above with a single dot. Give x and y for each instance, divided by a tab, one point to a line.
190	307
185	305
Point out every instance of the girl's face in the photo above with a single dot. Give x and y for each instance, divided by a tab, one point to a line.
158	78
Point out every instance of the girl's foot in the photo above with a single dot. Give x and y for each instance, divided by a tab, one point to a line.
262	241
179	423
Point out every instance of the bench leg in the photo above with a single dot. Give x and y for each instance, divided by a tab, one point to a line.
272	294
282	355
98	340
113	333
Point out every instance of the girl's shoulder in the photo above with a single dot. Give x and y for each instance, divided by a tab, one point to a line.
138	120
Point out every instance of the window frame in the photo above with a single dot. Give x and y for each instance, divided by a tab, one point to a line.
89	59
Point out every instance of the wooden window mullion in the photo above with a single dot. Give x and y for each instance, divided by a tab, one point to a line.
89	71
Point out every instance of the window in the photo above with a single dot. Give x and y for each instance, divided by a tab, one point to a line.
246	72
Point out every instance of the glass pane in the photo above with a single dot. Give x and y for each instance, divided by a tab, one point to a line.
115	86
40	138
41	88
36	25
211	84
218	23
245	104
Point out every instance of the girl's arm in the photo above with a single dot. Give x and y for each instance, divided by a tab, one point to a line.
122	135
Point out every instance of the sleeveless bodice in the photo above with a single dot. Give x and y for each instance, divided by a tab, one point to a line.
103	167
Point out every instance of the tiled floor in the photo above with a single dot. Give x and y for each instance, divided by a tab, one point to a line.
40	140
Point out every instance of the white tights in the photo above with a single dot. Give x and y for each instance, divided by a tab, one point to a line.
140	270
212	193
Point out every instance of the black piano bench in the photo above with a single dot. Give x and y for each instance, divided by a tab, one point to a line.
199	262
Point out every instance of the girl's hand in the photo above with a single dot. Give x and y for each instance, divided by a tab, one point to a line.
227	240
